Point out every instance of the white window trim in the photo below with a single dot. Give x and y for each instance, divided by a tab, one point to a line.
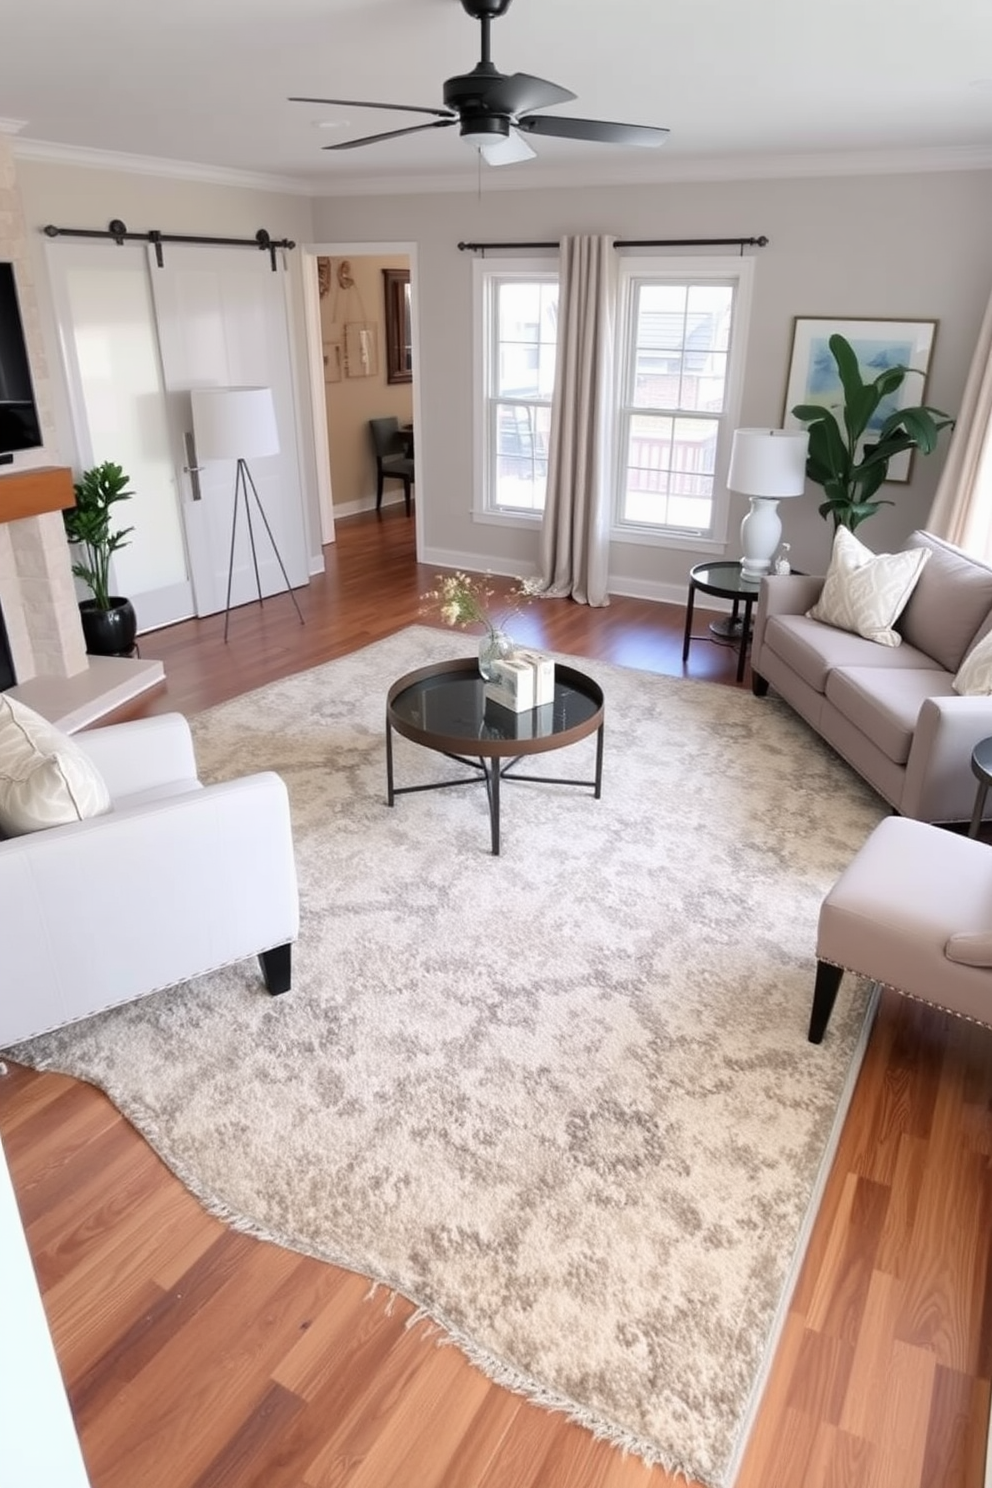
483	270
637	267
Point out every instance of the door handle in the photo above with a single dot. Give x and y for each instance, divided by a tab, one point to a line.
191	468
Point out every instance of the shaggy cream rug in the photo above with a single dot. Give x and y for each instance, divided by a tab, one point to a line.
563	1098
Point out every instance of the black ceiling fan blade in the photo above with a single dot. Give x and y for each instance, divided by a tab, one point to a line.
403	108
371	139
600	131
519	93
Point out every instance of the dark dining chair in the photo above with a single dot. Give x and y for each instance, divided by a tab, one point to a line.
392	460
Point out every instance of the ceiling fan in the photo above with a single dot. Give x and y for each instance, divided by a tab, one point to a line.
493	110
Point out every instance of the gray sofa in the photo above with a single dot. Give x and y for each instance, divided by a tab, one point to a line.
891	712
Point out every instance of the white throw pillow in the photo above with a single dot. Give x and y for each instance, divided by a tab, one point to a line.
45	779
974	677
866	592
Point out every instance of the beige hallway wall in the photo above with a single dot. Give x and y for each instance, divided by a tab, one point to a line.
352	401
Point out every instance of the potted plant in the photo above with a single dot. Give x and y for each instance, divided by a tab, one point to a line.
109	622
849	470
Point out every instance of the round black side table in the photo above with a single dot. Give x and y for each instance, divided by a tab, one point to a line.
981	768
725	580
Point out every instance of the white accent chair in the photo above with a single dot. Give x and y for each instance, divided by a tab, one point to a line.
913	910
176	880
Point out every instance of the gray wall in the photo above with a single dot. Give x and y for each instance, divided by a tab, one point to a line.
909	247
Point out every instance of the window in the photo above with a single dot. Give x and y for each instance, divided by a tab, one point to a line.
519	335
680	338
678	396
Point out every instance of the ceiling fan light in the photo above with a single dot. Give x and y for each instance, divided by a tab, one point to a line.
485	131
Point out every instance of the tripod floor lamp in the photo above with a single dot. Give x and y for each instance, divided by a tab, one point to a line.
232	424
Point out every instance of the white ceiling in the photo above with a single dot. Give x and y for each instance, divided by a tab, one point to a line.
745	88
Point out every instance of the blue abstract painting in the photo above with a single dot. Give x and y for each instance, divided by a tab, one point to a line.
823	384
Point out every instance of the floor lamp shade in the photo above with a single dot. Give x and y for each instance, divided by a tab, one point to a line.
234	423
767	465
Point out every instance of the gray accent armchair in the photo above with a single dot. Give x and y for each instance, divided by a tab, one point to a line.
913	910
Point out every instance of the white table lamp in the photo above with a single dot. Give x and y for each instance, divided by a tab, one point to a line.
230	424
767	465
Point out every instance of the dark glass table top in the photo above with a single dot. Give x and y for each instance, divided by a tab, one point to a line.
444	707
725	579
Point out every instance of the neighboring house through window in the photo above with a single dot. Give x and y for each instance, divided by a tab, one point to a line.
681	327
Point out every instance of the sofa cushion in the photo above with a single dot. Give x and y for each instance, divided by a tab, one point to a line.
812	650
974	675
951	601
45	779
866	592
885	704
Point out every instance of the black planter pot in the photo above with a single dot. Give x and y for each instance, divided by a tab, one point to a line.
109	632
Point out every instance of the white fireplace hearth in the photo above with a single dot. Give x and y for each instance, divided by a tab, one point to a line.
54	675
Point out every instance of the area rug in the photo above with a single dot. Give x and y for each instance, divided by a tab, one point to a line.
561	1099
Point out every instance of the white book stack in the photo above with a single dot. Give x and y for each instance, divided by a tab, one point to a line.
522	681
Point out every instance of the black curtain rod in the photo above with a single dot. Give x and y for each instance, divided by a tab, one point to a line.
118	231
740	243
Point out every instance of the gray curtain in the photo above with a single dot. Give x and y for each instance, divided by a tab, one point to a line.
962	507
576	531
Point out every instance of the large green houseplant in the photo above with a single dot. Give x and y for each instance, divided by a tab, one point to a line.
109	622
849	466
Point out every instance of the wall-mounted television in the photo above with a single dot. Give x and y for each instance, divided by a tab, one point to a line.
20	427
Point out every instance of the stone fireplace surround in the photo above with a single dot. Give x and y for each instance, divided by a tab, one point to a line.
54	675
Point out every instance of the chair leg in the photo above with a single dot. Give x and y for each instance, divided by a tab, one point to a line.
378	494
276	968
406	495
828	979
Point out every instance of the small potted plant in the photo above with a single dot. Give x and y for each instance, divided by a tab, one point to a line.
463	599
109	622
851	472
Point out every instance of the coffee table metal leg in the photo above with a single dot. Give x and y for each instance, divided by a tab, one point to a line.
687	637
494	774
390	795
599	762
979	811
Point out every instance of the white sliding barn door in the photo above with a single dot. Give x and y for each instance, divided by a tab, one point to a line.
222	322
136	338
106	320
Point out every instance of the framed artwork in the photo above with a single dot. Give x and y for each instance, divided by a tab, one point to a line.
877	344
399	351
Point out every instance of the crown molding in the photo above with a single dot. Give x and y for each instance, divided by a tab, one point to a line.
150	165
664	169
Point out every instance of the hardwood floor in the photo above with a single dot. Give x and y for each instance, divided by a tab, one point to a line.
196	1357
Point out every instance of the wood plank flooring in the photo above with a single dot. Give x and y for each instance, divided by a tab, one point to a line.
196	1357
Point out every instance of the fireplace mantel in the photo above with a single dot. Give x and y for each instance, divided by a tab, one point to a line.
30	493
41	612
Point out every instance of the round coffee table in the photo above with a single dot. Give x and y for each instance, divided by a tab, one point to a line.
726	580
444	708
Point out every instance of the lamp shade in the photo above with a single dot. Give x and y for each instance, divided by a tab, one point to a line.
234	423
768	462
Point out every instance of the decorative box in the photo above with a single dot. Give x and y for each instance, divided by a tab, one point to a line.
511	683
544	675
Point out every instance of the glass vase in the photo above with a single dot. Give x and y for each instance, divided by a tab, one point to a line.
495	645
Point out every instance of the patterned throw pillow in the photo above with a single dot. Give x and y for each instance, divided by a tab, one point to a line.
865	591
974	678
45	779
